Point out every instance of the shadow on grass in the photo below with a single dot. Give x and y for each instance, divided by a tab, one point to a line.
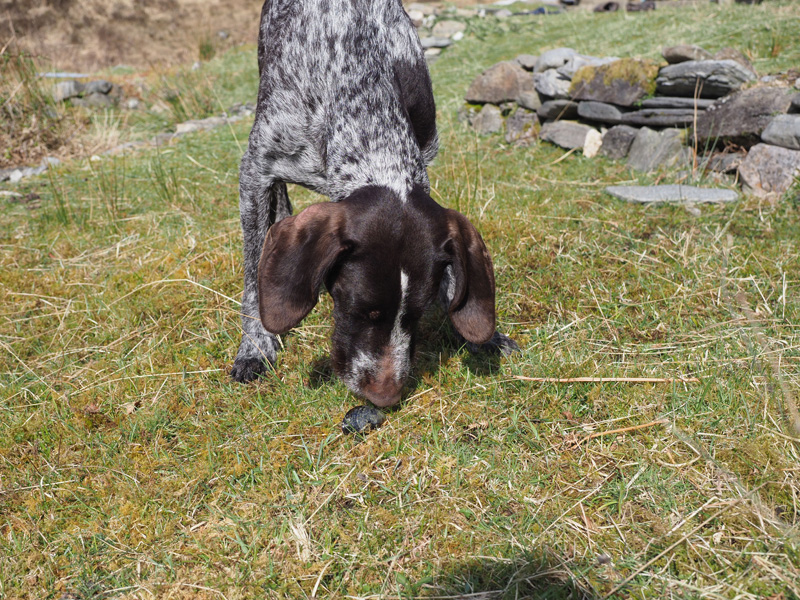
534	575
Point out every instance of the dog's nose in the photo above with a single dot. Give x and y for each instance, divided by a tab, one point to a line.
384	391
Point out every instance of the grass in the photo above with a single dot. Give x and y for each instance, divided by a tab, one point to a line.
131	467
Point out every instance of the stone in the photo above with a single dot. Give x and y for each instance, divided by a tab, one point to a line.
448	28
578	61
553	110
95	100
362	419
567	134
617	141
794	107
660	117
703	78
600	111
100	86
741	117
552	84
503	13
435	42
522	127
423	7
553	59
769	169
529	100
488	120
417	17
651	149
723	162
592	143
458	36
526	61
683	53
784	131
431	54
499	83
133	103
734	54
683	194
64	90
623	82
199	125
676	102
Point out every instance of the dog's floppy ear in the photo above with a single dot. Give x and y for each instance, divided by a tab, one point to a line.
472	304
298	251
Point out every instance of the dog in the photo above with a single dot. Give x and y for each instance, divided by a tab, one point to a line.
345	108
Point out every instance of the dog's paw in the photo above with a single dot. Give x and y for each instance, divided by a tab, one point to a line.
246	370
498	344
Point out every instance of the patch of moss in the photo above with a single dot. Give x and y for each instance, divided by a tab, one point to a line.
631	71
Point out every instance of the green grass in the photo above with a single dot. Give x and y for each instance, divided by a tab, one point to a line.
130	466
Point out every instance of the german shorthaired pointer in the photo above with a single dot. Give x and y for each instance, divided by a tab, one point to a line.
345	108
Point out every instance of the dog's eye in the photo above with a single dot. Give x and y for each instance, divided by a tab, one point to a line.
374	315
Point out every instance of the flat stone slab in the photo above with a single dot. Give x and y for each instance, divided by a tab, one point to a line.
706	78
677	102
566	134
683	53
557	109
659	117
622	82
680	194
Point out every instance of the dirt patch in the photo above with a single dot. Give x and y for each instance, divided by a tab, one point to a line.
88	35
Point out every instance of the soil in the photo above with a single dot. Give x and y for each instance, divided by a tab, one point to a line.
87	35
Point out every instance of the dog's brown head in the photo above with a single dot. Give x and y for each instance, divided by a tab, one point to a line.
383	261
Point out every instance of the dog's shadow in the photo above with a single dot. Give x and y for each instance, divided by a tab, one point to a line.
437	342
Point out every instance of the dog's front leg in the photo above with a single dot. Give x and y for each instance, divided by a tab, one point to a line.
262	203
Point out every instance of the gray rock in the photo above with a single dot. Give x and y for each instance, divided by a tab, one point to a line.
529	100
435	42
769	169
600	111
566	134
503	13
784	131
683	53
488	120
617	141
723	162
362	419
676	102
552	84
553	110
527	61
100	86
521	127
659	117
706	78
683	194
578	61
64	90
133	104
553	59
741	117
651	150
199	125
417	17
795	105
94	101
499	83
734	54
623	82
448	28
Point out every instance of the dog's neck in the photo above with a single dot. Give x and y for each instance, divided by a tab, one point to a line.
384	154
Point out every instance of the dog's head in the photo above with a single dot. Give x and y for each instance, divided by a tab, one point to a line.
383	262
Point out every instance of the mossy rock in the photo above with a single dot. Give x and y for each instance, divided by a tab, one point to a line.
623	82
